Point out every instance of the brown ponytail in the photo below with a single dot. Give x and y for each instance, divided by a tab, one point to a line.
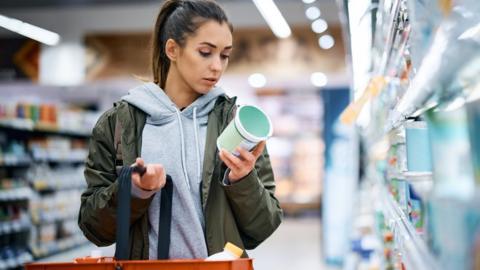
176	20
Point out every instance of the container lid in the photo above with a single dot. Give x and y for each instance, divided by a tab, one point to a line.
253	124
234	249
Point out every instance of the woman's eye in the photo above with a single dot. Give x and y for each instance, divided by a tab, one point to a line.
205	54
224	56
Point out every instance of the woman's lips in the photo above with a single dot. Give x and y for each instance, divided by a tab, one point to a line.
210	81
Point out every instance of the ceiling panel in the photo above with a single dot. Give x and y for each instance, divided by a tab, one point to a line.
15	4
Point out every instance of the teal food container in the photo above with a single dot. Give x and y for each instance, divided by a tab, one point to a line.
249	127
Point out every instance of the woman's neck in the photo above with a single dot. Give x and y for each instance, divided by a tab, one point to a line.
178	90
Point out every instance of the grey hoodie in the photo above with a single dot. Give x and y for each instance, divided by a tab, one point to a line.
175	139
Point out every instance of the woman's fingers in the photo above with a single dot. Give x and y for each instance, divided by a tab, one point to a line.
136	180
245	155
154	177
258	150
230	160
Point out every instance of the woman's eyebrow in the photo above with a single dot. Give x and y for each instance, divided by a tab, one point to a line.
214	46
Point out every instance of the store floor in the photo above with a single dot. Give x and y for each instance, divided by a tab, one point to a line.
295	245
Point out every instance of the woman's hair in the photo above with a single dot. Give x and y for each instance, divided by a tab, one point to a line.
177	20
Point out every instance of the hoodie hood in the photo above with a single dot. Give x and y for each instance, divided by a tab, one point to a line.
152	100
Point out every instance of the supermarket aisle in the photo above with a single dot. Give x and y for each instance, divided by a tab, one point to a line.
295	245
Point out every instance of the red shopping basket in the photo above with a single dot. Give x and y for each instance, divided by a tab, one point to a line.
121	262
239	264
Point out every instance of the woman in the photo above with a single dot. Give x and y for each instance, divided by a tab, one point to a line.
172	124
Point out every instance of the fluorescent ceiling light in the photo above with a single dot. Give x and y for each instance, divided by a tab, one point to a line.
318	79
312	13
326	42
273	17
28	30
308	1
257	80
319	26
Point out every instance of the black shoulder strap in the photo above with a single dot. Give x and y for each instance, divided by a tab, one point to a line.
123	213
165	220
117	142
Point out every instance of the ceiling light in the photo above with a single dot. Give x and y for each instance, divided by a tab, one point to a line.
312	13
318	79
257	80
28	30
308	1
319	26
326	42
273	17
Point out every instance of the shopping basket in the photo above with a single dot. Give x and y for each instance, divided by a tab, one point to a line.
239	264
120	261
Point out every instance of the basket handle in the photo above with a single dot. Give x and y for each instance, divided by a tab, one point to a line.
123	214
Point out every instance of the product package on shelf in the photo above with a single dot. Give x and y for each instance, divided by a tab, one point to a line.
58	149
15	226
452	166
54	217
453	46
473	116
425	16
13	153
46	117
418	147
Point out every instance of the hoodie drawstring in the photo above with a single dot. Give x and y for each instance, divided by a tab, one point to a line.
182	147
195	130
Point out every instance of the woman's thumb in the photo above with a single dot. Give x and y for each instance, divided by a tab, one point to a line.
139	162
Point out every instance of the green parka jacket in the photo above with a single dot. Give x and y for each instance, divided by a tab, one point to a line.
244	213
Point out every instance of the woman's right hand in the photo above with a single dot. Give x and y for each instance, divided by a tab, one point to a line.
153	179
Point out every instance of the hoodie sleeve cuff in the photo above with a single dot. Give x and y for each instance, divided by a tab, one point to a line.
225	181
247	185
140	193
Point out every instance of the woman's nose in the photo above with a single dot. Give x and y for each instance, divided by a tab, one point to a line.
216	64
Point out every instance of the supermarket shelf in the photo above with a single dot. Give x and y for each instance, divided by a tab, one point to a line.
414	176
411	176
60	160
17	261
15	194
52	161
412	247
52	219
44	188
29	126
22	162
9	227
46	250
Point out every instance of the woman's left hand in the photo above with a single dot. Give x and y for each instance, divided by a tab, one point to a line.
242	165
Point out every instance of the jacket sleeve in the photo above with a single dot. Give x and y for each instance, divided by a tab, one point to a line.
256	210
97	216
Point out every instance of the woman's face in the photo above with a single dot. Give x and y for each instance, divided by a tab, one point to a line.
204	58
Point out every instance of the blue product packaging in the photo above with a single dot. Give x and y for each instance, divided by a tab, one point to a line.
418	147
473	117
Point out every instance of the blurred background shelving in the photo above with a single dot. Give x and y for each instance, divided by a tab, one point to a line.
415	108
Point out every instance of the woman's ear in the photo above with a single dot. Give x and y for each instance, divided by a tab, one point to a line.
172	50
